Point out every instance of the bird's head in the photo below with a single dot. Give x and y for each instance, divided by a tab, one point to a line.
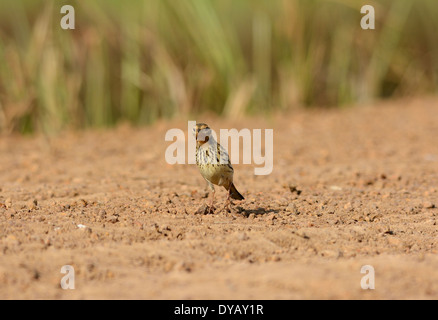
202	133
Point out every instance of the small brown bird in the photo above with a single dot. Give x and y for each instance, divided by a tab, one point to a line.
214	164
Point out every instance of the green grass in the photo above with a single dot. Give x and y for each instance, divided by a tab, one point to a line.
140	61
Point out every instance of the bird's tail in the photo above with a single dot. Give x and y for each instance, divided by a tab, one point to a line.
234	193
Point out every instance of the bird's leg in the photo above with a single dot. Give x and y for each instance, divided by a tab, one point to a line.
228	203
211	206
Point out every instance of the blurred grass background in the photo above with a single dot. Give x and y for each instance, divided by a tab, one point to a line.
140	61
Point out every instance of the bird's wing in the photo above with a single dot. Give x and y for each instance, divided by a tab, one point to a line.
224	157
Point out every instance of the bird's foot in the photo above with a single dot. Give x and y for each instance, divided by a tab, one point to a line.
205	209
210	209
230	209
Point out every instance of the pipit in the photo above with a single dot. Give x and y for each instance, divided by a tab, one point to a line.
214	164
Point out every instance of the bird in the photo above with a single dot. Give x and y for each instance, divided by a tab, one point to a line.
214	164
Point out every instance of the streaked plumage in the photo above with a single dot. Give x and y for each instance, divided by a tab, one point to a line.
213	163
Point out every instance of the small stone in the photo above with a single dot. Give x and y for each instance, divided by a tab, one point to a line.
83	203
8	203
32	204
294	189
415	247
428	205
184	266
282	202
292	208
102	213
329	253
242	236
113	219
348	206
394	241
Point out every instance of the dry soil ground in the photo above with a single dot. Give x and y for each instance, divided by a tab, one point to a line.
349	188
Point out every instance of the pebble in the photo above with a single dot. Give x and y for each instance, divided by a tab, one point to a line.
294	189
8	203
83	202
113	219
102	213
275	258
292	208
282	202
428	205
394	241
348	206
242	236
32	204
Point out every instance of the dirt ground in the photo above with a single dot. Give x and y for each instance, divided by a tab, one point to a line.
349	188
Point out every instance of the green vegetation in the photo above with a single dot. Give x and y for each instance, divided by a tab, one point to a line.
139	61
